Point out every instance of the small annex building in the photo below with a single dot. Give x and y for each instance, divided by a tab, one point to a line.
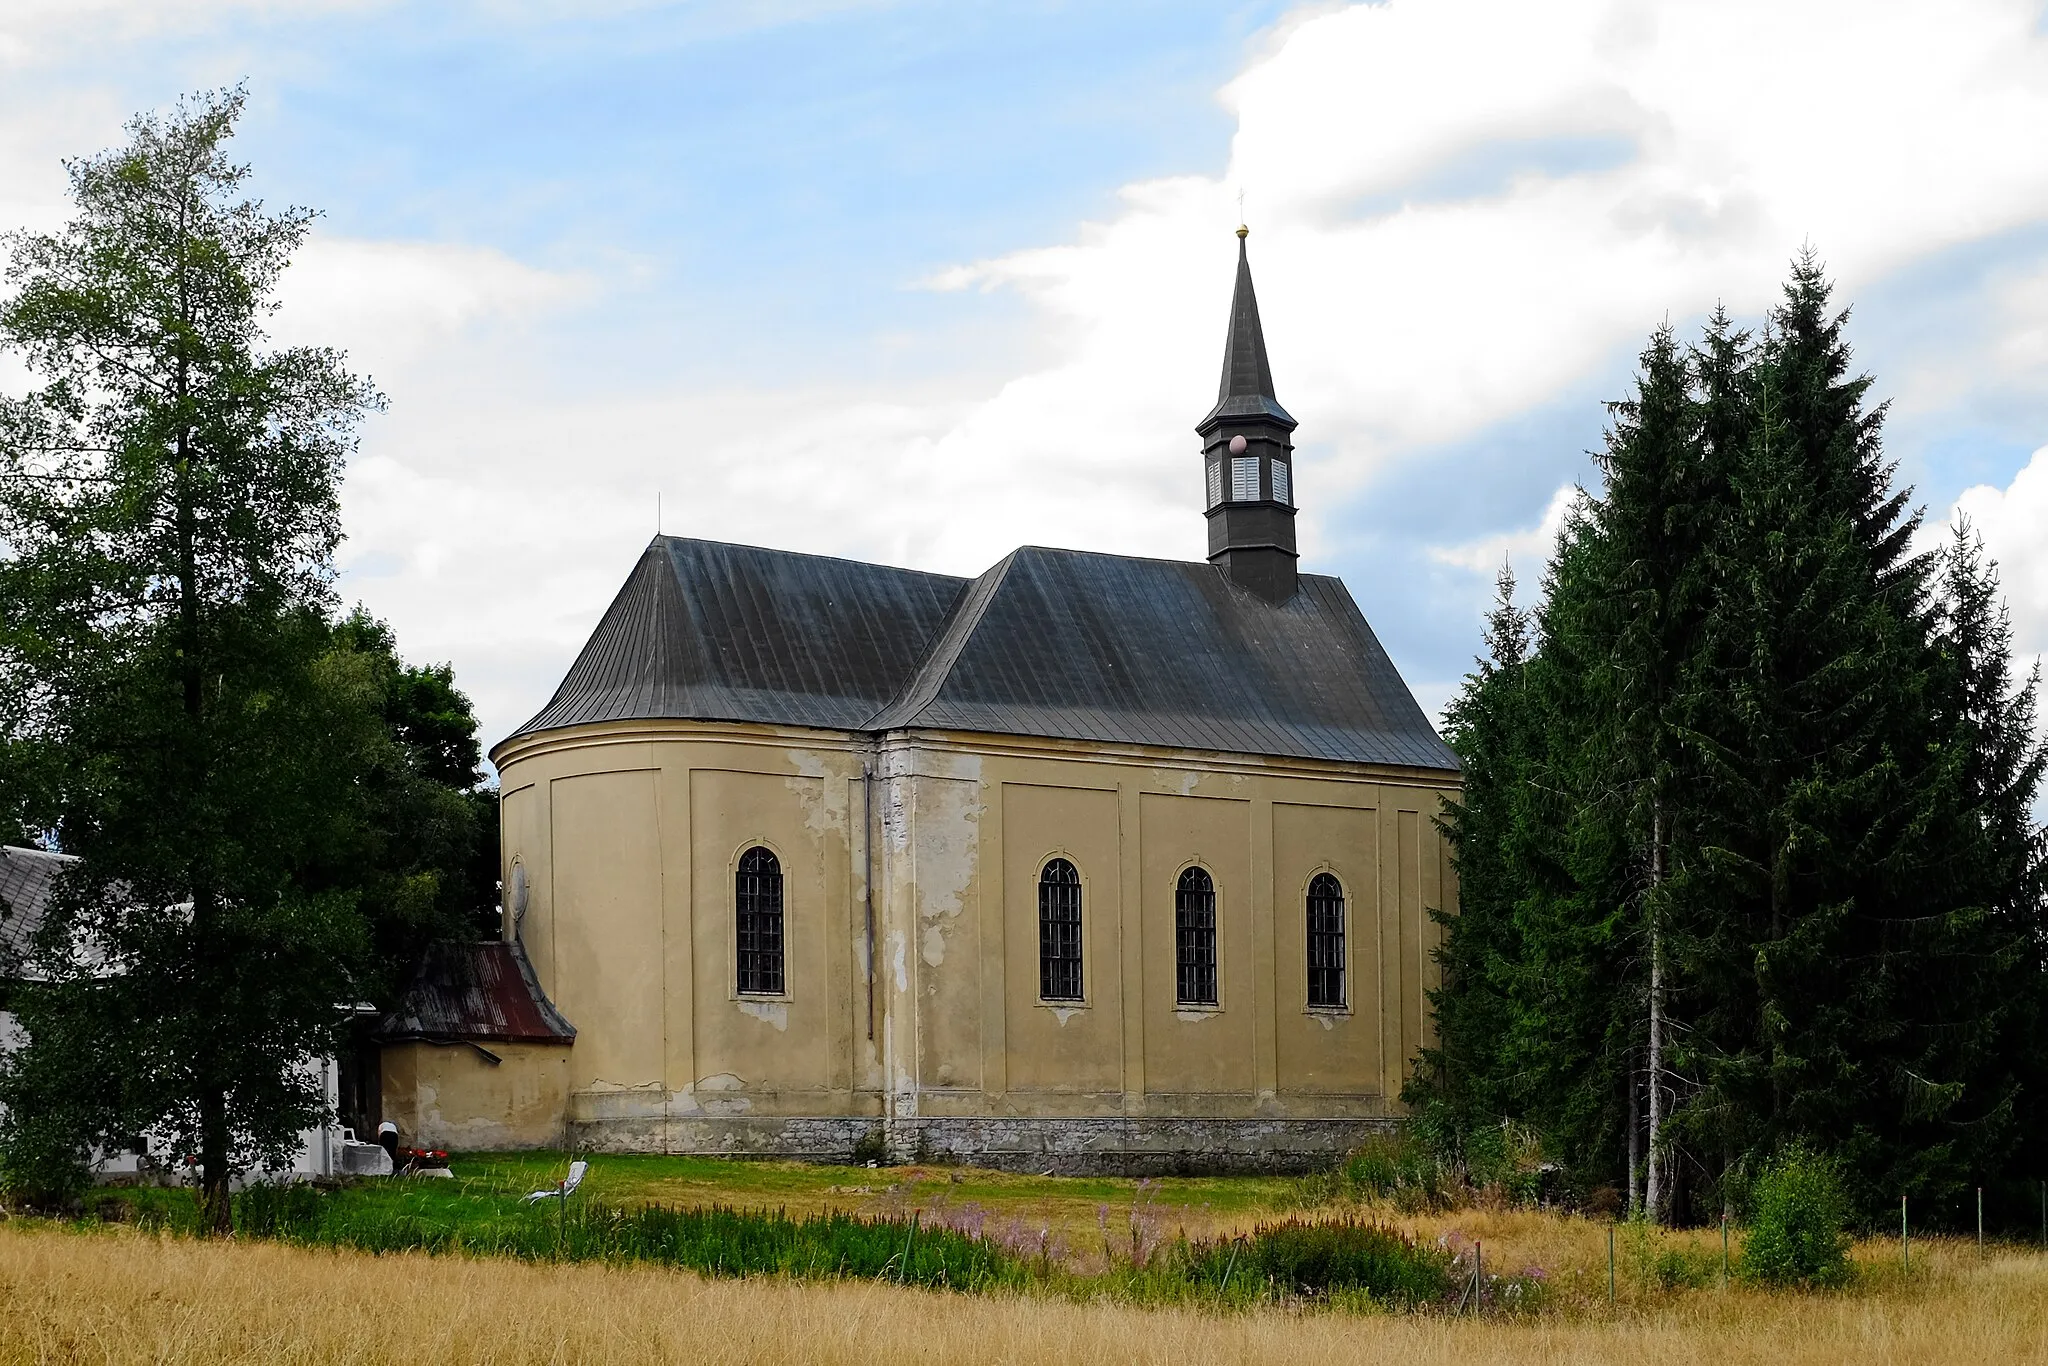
1089	863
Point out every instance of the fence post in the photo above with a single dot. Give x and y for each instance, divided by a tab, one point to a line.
1980	1219
1724	1249
1610	1266
1905	1248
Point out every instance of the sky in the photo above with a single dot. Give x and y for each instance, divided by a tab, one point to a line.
920	282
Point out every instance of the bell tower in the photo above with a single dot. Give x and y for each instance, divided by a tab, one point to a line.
1248	457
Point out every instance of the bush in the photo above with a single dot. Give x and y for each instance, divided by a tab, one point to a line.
1799	1211
42	1162
1395	1167
1309	1257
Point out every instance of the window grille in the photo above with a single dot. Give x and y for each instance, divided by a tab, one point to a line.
1281	480
1215	482
1325	941
1059	932
1244	479
757	900
1194	933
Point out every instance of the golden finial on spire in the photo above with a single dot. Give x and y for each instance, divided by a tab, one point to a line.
1243	232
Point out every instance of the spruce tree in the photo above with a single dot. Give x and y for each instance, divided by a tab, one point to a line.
1760	834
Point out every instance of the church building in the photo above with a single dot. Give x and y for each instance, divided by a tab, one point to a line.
1091	862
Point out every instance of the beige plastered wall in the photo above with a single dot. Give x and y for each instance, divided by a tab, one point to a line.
481	1098
630	836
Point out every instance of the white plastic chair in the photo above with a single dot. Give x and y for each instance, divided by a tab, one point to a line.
563	1189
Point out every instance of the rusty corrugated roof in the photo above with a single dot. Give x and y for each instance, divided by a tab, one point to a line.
1055	643
476	993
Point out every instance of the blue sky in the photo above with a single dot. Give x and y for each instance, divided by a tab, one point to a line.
919	282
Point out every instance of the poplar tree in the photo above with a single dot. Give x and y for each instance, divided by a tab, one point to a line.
168	516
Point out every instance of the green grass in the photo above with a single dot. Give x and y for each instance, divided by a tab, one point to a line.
954	1228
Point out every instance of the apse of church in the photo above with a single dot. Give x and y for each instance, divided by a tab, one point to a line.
1089	863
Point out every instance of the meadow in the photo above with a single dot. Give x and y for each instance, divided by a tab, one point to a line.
124	1285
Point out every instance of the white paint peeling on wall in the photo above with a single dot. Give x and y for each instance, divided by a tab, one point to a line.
948	855
721	1081
822	800
1065	1013
1195	1016
769	1012
899	960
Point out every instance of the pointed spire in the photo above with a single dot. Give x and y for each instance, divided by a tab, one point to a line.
1247	388
1248	457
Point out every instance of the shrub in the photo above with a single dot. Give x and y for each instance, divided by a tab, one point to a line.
1799	1211
1313	1257
42	1161
1395	1167
871	1147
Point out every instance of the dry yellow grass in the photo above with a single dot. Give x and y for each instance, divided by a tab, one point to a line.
125	1297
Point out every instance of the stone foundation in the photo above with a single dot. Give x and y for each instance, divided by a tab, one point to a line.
1062	1147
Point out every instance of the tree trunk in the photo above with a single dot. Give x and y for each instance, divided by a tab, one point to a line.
216	1214
216	1211
1635	1142
1654	1183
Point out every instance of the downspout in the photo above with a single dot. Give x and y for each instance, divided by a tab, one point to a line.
867	881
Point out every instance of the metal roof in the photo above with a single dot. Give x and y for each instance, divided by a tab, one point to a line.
1054	643
1247	387
720	632
25	878
1162	652
476	993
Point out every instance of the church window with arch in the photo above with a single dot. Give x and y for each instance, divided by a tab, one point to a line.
757	905
1325	941
1059	932
1194	935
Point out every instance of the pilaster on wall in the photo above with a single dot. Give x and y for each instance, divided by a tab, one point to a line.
679	963
1131	926
897	932
1265	962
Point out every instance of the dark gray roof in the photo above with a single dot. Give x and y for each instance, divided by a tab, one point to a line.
1247	387
25	878
757	635
477	992
1055	643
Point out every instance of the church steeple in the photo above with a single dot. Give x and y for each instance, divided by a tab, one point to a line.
1248	456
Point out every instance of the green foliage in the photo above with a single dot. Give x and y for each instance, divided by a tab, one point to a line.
1318	1257
1797	1221
1754	749
171	680
43	1162
872	1146
715	1240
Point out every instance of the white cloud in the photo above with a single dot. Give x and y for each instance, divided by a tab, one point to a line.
2014	524
1461	209
389	303
1528	551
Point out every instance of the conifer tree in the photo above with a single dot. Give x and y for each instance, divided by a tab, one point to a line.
168	516
1783	777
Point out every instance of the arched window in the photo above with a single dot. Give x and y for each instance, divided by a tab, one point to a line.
1325	941
1194	936
757	904
1059	932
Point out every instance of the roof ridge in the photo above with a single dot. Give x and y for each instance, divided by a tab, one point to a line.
930	678
667	542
